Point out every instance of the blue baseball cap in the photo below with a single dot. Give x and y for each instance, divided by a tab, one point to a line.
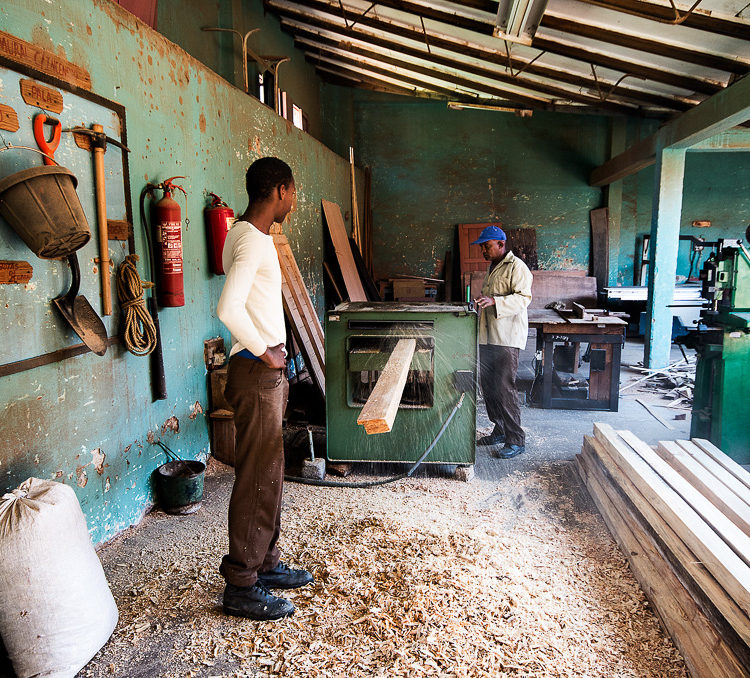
490	233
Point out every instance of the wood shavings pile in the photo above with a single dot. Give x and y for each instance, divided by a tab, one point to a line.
425	577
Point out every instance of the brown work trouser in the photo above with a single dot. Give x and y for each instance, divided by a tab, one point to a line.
258	396
498	366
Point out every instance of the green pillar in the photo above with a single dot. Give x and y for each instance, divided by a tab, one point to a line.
665	232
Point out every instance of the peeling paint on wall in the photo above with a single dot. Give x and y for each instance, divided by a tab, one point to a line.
97	459
195	410
93	403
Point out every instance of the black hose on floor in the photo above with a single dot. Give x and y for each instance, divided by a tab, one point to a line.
385	481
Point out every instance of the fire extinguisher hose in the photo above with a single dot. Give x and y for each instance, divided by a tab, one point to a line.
139	331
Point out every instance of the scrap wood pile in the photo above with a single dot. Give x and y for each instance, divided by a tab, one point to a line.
674	382
681	515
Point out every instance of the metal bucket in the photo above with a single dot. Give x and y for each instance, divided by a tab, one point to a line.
42	206
179	486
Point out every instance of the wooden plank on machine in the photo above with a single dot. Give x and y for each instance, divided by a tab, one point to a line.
379	412
707	650
301	312
340	240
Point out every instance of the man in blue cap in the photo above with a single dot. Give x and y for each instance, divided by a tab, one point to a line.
503	330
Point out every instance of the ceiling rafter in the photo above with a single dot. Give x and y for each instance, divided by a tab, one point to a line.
726	26
565	54
385	72
662	48
371	50
687	82
332	72
373	83
499	93
461	48
437	14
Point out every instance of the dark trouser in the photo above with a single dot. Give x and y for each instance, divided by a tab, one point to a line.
498	366
258	396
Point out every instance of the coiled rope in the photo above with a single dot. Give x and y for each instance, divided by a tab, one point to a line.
139	332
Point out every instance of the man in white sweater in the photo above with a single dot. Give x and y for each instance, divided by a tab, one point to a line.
257	388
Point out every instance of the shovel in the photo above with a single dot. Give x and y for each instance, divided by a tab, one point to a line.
77	310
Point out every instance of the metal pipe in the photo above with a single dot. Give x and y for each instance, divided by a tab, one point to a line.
310	439
244	48
275	72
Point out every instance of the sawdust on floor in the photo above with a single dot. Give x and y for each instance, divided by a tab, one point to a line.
424	577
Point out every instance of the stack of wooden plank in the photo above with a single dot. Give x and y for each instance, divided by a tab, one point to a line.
681	515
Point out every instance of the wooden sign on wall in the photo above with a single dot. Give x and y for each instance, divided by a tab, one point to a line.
8	118
43	97
15	272
25	53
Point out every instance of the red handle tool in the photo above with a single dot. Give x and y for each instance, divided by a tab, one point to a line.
48	147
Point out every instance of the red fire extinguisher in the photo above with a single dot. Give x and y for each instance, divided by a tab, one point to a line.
167	224
219	219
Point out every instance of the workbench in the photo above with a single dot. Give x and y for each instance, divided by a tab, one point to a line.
605	336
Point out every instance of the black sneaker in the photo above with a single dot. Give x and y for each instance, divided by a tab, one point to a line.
497	437
255	602
284	577
509	451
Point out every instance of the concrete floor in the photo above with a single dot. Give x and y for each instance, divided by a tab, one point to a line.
557	434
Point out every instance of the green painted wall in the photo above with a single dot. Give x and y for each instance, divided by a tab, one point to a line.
222	52
433	168
182	119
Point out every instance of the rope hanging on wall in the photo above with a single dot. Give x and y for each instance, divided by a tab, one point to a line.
139	332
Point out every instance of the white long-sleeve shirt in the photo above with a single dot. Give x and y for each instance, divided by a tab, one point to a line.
250	305
507	322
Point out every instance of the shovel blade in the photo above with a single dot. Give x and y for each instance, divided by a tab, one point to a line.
84	321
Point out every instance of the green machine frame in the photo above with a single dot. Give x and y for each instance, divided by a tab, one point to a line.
359	338
721	401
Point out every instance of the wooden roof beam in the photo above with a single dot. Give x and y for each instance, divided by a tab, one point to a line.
515	97
435	13
300	32
728	26
371	80
715	115
689	83
661	48
353	65
333	23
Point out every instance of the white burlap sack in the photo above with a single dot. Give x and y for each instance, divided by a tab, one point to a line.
56	609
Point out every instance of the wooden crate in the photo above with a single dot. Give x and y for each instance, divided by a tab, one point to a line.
222	435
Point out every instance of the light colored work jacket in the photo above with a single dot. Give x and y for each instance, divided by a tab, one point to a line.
506	323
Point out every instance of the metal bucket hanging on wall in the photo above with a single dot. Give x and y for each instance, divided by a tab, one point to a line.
42	206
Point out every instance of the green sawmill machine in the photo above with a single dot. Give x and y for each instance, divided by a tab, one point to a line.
400	369
721	402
